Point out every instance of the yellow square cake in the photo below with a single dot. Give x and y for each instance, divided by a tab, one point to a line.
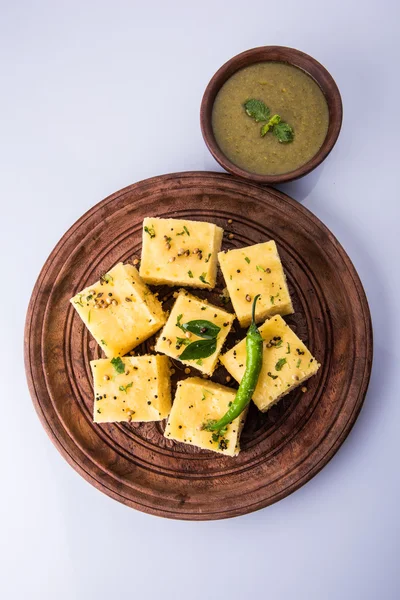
256	270
131	389
287	363
196	402
174	339
119	310
180	252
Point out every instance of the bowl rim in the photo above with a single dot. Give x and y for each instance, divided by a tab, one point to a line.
291	56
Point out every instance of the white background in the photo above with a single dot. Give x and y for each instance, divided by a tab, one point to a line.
94	96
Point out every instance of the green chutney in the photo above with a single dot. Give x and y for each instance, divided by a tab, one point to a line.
287	91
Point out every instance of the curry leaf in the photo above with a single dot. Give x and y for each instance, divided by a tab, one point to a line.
199	349
202	328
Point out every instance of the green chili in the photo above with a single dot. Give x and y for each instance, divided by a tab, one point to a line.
254	355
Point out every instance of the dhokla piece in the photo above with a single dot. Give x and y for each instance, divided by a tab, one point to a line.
173	340
133	388
119	310
196	402
180	252
287	363
256	270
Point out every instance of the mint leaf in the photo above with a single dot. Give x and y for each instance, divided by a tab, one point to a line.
118	364
283	132
257	110
199	349
273	121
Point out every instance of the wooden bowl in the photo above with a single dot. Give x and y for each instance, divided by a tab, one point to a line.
280	54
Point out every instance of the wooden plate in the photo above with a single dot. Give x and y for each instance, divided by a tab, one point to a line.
281	449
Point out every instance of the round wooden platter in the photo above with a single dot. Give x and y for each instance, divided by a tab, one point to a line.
281	449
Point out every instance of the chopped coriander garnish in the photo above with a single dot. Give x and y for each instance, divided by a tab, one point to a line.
278	343
272	298
179	324
79	301
106	278
246	258
298	363
206	392
199	362
260	268
203	278
288	348
272	376
185	230
89	297
150	231
208	258
103	342
280	363
88	317
190	274
118	364
182	342
124	388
